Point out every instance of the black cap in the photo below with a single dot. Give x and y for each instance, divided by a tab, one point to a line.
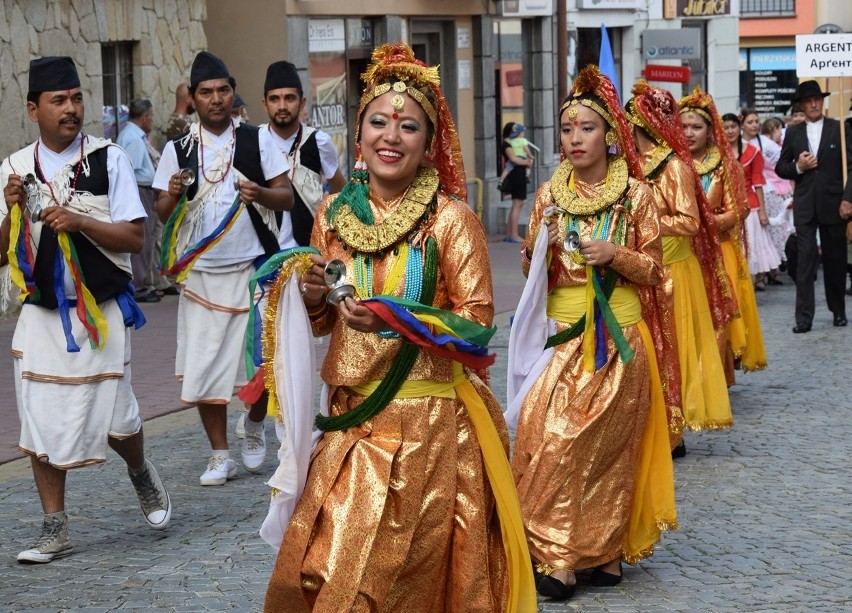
280	75
207	67
238	102
53	73
807	89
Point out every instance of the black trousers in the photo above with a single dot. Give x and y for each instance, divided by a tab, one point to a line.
832	238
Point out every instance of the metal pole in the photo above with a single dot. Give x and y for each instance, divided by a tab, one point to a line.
562	49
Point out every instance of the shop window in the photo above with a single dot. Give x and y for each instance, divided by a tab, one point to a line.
117	63
767	8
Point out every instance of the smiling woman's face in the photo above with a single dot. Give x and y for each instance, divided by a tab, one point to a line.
393	143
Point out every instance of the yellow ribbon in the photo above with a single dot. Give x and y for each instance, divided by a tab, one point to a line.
567	304
676	249
522	598
15	272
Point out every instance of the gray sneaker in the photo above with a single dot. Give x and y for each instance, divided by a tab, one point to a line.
153	497
53	542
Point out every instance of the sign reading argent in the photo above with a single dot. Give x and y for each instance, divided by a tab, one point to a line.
682	44
824	55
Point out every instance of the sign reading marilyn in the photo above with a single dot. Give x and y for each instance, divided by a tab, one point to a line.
824	55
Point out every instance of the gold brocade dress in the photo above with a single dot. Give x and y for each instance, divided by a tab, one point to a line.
579	434
397	513
704	390
744	338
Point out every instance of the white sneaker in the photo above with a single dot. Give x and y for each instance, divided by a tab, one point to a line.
53	542
218	471
153	497
240	430
253	448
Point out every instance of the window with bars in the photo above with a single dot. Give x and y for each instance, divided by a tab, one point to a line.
117	62
767	8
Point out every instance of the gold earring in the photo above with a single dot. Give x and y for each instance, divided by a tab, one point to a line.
609	139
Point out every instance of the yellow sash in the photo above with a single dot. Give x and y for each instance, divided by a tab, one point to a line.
522	598
568	304
676	248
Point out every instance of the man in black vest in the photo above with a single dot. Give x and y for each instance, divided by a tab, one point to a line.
213	308
72	385
811	156
311	153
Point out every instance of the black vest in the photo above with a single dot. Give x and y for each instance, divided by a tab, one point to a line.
300	214
247	161
103	278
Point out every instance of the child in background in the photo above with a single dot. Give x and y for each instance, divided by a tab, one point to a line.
520	147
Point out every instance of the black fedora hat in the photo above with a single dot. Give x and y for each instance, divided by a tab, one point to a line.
807	89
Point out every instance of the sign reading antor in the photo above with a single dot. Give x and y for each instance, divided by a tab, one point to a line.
824	55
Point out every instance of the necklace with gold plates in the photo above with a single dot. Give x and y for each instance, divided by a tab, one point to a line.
377	237
567	198
710	161
658	156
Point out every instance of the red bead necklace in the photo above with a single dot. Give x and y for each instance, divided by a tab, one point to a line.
227	168
76	173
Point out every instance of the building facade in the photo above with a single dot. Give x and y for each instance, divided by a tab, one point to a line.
767	61
123	50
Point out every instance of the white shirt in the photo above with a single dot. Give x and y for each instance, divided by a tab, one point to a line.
240	243
814	134
133	139
329	161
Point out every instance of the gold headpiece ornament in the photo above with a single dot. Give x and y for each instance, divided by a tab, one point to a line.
393	67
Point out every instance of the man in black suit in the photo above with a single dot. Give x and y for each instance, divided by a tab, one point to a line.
811	157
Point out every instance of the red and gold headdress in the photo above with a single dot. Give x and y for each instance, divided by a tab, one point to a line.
394	68
594	90
655	110
701	103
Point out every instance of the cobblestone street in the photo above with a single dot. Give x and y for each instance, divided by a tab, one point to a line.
765	509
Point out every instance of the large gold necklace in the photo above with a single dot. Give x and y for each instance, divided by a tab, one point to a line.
657	157
376	237
566	198
710	161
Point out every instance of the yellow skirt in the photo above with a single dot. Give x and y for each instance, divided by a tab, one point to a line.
592	459
704	390
745	333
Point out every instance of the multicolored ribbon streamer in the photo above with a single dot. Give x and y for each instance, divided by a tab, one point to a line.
266	273
599	316
458	339
88	312
182	266
21	257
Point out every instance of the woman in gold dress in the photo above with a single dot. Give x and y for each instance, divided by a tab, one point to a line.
591	459
398	513
724	184
687	228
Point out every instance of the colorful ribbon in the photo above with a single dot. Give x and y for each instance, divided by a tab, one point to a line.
169	264
458	339
88	312
21	257
268	272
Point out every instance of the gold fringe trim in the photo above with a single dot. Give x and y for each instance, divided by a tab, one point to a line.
300	263
711	425
663	526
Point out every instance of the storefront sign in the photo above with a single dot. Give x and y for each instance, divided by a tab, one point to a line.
610	4
326	35
768	79
702	8
526	8
681	44
824	55
671	74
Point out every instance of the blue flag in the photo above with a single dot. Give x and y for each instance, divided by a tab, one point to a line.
606	62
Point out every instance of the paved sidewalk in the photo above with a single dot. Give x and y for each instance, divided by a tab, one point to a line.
765	508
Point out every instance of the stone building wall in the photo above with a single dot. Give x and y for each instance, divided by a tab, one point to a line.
167	35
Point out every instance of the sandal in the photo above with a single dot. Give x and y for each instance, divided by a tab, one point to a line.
601	578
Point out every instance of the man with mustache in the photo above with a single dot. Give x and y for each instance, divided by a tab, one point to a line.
227	224
73	216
